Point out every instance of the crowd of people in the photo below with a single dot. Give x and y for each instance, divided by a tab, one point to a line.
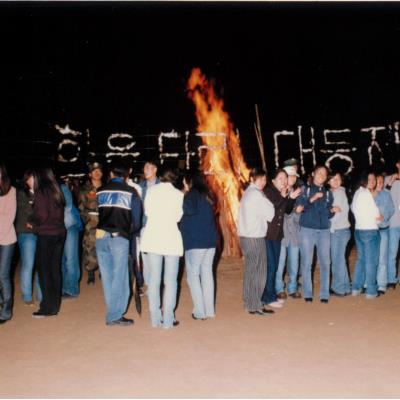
284	221
143	230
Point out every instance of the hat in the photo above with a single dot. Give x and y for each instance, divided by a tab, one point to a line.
94	165
291	162
291	171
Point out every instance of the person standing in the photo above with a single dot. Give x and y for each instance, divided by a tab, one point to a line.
120	216
47	222
314	232
162	241
278	194
26	238
393	185
89	212
367	216
150	179
70	260
340	236
255	212
8	238
199	233
384	201
290	245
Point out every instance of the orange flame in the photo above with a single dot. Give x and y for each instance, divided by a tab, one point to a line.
223	163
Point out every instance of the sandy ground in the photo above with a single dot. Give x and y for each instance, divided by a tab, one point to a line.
347	348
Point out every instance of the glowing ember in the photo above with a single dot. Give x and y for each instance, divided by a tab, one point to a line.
224	166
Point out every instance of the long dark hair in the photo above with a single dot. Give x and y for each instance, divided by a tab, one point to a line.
195	180
27	174
47	180
5	183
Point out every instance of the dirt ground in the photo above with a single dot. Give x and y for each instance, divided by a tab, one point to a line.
347	348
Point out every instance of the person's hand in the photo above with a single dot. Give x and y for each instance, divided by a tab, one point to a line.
284	191
392	179
380	218
29	226
299	209
295	193
336	209
316	197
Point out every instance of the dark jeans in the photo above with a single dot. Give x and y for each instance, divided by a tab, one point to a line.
6	298
49	253
273	253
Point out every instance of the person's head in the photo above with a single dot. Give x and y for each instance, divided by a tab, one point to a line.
320	175
280	179
150	170
194	180
335	180
380	182
398	164
368	180
119	170
47	180
258	177
30	179
292	175
291	162
169	176
5	183
95	171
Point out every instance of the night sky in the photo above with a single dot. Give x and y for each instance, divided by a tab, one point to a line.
123	67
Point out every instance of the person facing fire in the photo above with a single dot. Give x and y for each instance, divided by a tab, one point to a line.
90	217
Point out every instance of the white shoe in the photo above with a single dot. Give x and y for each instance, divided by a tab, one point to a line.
281	301
275	304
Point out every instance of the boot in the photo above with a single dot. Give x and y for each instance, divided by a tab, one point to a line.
91	277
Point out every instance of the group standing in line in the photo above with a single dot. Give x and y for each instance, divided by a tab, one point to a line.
152	225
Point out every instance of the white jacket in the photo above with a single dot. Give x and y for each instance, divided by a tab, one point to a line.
254	213
365	210
163	208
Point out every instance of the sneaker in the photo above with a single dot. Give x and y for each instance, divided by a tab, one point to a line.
355	292
295	295
308	299
282	295
29	303
122	322
275	304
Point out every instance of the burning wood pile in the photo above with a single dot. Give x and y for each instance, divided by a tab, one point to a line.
224	166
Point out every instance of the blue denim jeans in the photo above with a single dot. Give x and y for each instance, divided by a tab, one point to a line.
146	268
6	297
309	238
367	242
273	252
199	272
382	273
292	253
171	268
112	254
340	275
70	267
394	237
27	250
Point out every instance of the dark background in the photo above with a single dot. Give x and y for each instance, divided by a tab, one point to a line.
123	67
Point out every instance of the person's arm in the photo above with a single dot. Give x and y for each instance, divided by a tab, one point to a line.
137	213
7	214
388	209
190	203
264	207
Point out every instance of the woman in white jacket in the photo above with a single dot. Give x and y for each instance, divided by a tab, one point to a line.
340	236
367	217
162	241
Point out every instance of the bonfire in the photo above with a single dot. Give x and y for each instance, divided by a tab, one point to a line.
222	160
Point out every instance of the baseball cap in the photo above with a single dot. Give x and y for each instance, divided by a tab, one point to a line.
291	162
291	171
